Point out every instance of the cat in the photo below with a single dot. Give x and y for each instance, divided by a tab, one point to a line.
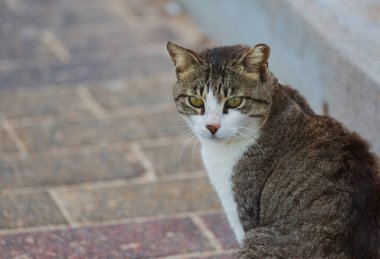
292	183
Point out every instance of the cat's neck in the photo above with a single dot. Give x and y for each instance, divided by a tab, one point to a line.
289	115
237	143
288	111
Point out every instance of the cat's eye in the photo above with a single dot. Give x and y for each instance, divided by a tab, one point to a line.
196	102
234	102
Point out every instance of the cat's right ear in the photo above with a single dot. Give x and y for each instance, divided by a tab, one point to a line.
255	61
186	61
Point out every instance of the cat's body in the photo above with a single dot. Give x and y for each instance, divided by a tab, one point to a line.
292	183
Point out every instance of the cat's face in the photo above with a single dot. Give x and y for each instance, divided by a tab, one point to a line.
222	92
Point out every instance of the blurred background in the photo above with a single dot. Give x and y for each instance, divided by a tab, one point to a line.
94	159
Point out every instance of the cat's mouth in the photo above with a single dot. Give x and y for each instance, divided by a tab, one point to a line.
215	137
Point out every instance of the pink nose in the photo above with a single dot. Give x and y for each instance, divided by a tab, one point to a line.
213	128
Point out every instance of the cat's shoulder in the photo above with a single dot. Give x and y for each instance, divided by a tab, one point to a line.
332	139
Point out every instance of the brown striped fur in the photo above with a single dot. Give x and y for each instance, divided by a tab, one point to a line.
309	187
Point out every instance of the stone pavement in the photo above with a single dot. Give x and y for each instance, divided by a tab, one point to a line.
94	162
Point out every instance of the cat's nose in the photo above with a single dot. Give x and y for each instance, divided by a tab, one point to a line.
213	128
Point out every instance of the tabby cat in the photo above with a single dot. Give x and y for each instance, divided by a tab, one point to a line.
292	183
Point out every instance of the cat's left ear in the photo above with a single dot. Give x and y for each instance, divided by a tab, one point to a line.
186	61
255	61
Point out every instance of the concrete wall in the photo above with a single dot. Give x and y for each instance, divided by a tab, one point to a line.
316	46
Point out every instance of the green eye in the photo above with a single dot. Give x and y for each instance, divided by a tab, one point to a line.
234	102
196	102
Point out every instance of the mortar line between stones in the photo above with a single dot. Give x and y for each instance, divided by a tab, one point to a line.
206	232
102	184
150	173
85	186
94	148
21	146
33	229
72	116
61	207
50	40
90	102
112	222
67	87
146	50
198	254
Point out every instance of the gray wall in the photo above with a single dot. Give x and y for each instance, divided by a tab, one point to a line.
305	52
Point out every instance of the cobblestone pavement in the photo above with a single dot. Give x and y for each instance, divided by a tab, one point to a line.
92	164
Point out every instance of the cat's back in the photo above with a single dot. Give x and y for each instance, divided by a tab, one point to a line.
351	173
310	171
324	138
327	174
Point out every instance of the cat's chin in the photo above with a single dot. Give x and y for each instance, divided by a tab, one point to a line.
215	139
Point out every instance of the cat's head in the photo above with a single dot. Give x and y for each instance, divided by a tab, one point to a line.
223	92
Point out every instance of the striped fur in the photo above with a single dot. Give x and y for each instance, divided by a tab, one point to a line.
304	186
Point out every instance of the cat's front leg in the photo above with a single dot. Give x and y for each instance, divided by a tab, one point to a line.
262	243
285	242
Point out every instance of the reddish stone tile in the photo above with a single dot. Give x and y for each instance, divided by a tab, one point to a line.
222	255
219	226
137	240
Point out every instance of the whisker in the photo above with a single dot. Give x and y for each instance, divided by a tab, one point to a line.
181	140
248	148
194	147
186	142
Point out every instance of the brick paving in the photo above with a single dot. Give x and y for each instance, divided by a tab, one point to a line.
92	156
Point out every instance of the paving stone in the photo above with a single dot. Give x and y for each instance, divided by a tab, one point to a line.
71	73
40	16
92	39
29	21
139	200
105	44
218	224
175	158
112	130
69	169
6	144
29	210
41	102
22	47
93	29
146	92
146	7
8	172
138	240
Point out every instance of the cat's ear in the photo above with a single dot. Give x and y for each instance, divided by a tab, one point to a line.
255	61
186	61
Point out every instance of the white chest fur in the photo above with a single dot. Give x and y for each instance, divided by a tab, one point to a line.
219	160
